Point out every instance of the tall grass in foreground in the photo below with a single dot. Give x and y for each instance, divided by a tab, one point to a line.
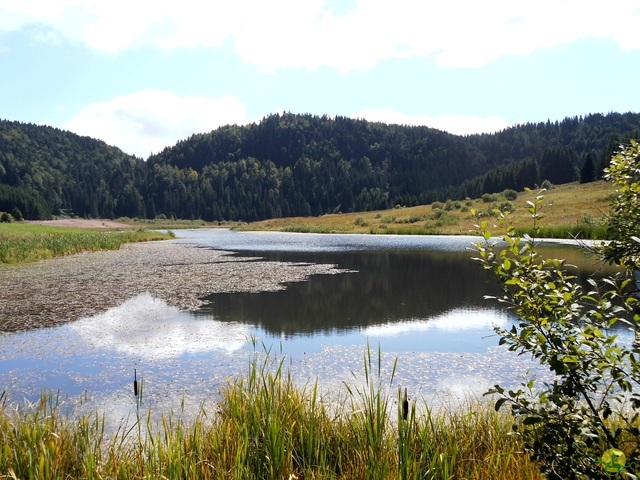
34	244
266	427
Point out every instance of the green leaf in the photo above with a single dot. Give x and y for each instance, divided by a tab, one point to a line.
531	420
499	403
570	359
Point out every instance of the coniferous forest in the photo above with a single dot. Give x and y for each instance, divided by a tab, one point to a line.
295	165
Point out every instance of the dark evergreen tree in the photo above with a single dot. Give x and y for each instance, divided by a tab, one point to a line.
612	147
558	165
588	170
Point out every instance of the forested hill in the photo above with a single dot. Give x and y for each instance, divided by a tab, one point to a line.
44	171
291	164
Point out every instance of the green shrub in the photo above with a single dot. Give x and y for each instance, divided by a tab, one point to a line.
547	185
17	214
451	205
506	207
510	194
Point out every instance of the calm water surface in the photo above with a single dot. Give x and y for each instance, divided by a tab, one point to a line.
420	300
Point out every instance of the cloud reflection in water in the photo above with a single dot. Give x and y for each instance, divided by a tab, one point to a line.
148	327
456	320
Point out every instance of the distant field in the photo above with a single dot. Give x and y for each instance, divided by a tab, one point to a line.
570	208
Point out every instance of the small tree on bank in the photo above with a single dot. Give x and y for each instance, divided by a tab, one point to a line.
588	415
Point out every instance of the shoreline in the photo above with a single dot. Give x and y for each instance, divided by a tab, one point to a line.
63	289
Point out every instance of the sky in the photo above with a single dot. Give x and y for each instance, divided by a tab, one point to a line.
144	74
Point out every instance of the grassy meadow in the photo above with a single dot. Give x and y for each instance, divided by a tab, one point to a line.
265	426
22	242
573	210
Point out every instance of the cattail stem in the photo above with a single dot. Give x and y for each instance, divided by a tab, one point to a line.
405	405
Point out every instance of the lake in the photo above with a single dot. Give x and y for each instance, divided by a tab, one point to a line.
419	300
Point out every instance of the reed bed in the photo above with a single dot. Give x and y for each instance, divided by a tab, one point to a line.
583	231
265	426
22	245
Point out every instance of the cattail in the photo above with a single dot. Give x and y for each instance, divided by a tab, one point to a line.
405	405
135	383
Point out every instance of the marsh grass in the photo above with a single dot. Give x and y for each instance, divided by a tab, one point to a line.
583	231
22	243
265	425
304	228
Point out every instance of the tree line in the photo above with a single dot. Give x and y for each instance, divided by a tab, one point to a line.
295	165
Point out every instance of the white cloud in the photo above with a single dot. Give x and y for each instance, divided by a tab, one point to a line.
295	33
147	121
456	124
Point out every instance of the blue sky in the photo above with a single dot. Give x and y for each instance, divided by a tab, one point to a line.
144	74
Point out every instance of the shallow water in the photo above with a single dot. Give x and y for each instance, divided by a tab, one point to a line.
418	299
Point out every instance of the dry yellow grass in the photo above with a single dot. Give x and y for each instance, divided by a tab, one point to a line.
567	205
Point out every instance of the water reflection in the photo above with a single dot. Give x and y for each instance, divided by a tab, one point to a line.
456	321
147	327
384	287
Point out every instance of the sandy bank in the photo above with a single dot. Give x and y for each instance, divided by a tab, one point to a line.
81	223
60	290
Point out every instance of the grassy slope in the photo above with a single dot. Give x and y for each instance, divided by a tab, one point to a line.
573	204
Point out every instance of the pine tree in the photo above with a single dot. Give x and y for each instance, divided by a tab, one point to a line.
588	170
558	165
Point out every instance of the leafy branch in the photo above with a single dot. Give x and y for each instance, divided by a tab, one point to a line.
591	405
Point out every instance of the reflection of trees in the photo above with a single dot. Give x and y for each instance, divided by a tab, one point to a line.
388	287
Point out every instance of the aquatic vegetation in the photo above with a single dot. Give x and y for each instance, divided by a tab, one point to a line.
265	425
21	243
